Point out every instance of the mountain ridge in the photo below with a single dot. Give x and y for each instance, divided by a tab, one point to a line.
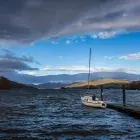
68	78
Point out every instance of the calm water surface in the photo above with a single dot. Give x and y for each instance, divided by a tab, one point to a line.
58	114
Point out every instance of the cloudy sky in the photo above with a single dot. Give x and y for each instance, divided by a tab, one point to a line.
42	37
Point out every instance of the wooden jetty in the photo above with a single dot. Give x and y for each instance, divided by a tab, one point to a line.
131	110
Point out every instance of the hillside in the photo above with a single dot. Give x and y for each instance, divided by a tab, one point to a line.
134	85
96	83
6	84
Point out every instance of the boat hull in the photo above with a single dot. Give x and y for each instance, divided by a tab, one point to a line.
86	100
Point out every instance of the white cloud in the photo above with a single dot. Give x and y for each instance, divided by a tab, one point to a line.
55	42
69	68
133	56
68	42
94	36
50	70
30	73
78	69
109	57
107	34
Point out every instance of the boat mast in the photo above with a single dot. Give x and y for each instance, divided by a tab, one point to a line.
89	67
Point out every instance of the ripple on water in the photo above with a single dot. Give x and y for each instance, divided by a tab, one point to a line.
58	114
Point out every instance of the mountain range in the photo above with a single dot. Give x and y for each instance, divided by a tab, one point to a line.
6	84
67	78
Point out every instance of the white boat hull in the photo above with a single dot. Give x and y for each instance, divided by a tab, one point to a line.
87	101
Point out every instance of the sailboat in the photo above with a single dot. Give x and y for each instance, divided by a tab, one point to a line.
89	100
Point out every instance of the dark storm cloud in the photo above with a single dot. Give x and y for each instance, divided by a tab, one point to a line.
8	55
29	20
6	65
10	62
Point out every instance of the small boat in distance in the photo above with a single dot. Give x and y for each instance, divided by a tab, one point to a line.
89	100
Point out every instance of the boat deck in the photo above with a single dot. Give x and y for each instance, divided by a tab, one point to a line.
131	110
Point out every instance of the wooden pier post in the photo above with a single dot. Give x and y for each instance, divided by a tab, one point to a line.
124	95
101	93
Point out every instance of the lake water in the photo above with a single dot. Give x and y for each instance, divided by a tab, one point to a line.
58	114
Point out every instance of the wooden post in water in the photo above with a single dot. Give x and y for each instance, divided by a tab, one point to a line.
124	95
101	93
